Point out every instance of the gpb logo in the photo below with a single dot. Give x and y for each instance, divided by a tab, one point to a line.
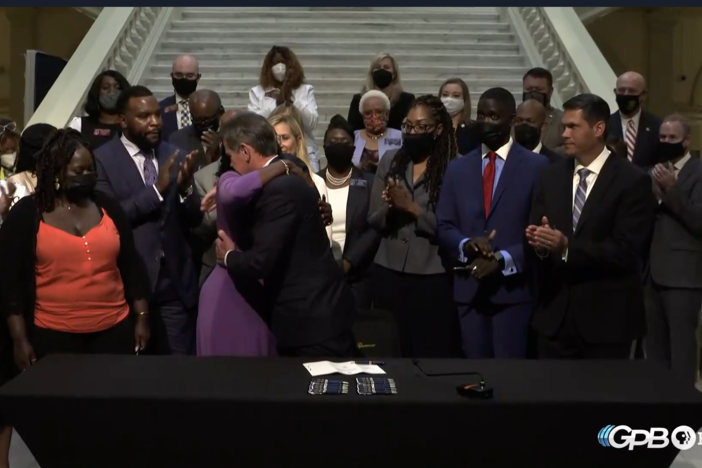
683	437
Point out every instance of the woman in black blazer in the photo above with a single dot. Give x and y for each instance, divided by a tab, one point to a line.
354	243
383	75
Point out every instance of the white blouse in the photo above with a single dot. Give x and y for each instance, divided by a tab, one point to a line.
338	198
322	189
303	99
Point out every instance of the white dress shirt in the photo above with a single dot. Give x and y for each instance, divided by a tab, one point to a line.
537	150
680	164
306	104
625	122
595	168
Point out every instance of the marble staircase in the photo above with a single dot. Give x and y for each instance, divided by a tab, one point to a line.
335	46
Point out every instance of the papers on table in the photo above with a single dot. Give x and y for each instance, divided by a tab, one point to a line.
346	368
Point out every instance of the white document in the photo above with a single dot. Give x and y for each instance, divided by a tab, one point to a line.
346	368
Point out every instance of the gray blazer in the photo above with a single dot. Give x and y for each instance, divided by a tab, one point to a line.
408	245
676	249
206	233
553	133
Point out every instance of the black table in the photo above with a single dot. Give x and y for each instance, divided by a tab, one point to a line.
173	412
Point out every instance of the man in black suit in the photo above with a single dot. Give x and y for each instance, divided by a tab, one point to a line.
175	109
206	109
311	306
590	225
674	286
529	126
636	127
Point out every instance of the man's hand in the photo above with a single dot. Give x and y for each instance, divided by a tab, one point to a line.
142	333
483	267
164	176
223	245
24	354
326	211
185	172
479	246
209	201
664	177
545	237
273	93
211	140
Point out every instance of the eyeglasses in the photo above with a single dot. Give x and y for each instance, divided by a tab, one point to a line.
189	76
421	128
8	127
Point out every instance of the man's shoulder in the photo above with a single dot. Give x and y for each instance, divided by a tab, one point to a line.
104	151
531	158
167	101
183	133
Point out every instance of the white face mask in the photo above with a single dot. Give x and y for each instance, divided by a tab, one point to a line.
8	160
452	105
279	71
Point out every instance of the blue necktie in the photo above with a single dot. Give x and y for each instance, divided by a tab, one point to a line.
150	174
580	196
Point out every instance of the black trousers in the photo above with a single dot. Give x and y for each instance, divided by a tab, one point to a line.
672	316
424	310
567	344
116	340
172	324
343	346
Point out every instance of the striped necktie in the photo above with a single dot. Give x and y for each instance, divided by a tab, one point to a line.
630	139
580	196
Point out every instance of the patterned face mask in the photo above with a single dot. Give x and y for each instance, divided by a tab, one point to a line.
375	123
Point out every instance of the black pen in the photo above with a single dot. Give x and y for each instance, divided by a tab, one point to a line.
370	363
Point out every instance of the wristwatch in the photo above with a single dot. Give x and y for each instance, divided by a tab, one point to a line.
500	260
188	192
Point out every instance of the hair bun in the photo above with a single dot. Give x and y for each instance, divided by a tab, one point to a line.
338	120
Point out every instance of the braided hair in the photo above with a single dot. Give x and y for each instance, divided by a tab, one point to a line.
443	151
52	160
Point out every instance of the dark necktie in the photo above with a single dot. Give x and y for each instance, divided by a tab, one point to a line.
488	182
150	174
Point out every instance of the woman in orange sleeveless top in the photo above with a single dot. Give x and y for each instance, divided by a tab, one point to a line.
86	290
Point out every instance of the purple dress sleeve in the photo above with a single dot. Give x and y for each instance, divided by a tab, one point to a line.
234	191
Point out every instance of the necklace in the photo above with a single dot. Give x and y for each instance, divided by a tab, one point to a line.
375	137
338	181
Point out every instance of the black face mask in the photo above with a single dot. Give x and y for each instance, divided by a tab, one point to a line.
183	86
492	135
527	135
628	103
669	151
417	145
201	126
80	186
382	78
539	96
339	156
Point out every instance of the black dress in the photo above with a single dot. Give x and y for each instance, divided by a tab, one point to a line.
97	133
398	112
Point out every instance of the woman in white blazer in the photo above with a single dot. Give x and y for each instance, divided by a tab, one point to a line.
282	82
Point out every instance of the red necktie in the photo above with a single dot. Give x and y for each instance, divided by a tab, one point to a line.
488	182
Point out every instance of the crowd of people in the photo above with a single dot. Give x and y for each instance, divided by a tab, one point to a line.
493	231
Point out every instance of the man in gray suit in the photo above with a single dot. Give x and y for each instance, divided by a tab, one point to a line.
674	285
206	233
206	110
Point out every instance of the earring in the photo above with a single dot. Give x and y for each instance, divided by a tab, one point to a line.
57	185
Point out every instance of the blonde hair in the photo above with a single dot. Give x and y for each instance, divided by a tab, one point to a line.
375	63
297	134
465	114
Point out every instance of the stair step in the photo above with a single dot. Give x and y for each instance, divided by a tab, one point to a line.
342	36
370	47
311	59
307	26
320	72
400	14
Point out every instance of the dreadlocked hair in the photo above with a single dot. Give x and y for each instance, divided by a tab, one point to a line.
52	159
444	150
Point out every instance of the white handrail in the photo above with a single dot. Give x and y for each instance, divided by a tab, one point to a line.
562	45
119	39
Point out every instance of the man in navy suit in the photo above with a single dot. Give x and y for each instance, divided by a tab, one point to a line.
481	216
153	182
175	109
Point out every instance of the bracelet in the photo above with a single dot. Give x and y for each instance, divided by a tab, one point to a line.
287	168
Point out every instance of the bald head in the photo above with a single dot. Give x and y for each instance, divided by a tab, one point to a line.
229	115
186	64
532	112
631	92
205	107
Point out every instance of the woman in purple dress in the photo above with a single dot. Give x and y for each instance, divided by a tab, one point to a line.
227	323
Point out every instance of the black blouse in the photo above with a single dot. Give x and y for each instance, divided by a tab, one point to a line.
398	112
18	246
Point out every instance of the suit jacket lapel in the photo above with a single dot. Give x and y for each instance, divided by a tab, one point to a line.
688	169
474	178
642	134
132	177
616	121
598	192
564	200
510	171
